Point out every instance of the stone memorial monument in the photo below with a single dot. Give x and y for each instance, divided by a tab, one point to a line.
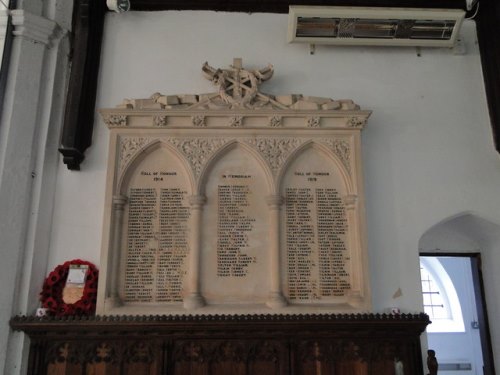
234	202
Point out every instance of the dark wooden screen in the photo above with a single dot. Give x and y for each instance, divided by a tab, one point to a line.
243	344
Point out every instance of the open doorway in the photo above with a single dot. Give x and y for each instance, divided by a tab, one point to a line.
453	296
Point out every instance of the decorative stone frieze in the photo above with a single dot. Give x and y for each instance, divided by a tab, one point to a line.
129	146
313	122
275	121
342	149
236	121
160	121
275	150
115	120
197	150
356	122
199	121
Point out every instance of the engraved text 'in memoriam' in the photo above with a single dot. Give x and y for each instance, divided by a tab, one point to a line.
233	227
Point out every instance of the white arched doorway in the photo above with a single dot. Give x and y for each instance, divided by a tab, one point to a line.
454	253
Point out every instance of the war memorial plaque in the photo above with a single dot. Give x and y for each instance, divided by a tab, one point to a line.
235	201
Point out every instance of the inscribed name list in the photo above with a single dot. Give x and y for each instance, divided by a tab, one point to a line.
315	230
235	223
157	231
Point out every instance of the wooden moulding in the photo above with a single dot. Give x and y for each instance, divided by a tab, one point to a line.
403	323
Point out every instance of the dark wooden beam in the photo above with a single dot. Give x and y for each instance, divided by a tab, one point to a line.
88	22
488	33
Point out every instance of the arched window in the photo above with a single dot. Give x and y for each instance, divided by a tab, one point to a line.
440	298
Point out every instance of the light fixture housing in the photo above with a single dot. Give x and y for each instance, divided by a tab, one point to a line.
118	6
374	26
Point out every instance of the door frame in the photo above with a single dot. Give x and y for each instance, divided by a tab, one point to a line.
480	299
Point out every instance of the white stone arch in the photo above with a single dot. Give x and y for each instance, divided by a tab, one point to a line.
326	151
219	154
471	232
236	156
130	167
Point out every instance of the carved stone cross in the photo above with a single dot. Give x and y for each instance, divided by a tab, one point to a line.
237	86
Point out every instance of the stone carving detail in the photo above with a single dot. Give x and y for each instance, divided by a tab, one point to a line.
198	121
275	150
238	88
275	121
115	120
313	122
129	146
197	150
236	121
342	149
356	122
160	120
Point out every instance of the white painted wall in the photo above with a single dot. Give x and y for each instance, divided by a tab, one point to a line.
428	151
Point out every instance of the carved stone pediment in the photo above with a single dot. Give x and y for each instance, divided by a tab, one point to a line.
238	88
238	98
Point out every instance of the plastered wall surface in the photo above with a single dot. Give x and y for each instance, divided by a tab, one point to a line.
428	152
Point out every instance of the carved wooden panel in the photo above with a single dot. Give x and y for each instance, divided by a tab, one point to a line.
229	357
75	357
224	344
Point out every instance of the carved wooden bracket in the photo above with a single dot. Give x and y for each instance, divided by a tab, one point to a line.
88	21
488	25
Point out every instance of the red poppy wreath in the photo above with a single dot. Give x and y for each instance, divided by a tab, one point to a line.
52	293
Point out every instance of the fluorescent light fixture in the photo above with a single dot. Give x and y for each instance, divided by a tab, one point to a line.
374	26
